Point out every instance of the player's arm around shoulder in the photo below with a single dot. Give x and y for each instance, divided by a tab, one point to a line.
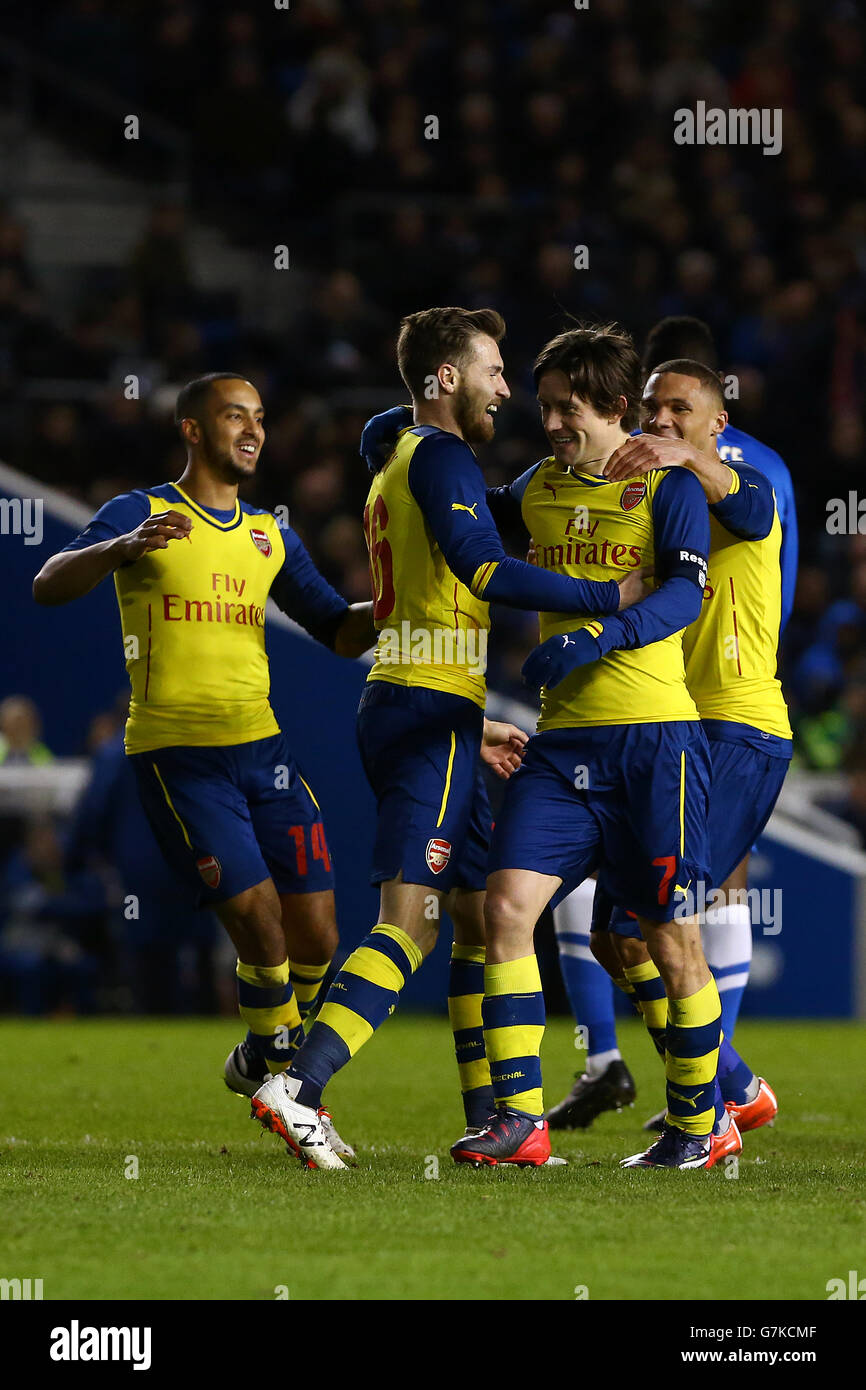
748	509
119	534
739	496
645	453
380	435
448	486
681	543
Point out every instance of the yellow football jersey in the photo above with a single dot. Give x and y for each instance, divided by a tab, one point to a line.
588	527
432	628
731	650
193	618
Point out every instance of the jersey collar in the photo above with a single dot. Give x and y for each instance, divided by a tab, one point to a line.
586	477
577	473
206	516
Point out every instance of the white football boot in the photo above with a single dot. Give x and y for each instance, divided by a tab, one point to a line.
338	1144
275	1108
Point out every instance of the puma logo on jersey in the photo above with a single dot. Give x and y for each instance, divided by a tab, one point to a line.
461	507
568	641
551	488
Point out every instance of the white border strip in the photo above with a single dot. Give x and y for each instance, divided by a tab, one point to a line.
845	857
780	827
57	503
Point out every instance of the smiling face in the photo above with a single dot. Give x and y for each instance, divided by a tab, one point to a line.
479	388
229	433
677	406
577	433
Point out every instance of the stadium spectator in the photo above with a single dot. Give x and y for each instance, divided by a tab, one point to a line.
20	727
51	928
166	945
554	131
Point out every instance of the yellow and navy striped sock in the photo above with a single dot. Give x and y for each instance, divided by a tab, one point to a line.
650	998
513	1013
692	1037
465	994
361	997
628	989
269	1009
306	981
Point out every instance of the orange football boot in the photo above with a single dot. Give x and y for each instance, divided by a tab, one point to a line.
724	1145
508	1138
760	1111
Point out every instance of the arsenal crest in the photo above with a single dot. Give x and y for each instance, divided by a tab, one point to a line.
634	493
262	541
210	870
438	854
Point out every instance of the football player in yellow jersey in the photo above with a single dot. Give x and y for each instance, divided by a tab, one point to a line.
730	656
616	779
726	932
436	563
193	568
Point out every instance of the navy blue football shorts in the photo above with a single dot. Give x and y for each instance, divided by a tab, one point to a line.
228	818
628	800
420	750
747	772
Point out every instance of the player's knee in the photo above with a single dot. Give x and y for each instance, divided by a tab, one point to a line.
466	911
253	923
326	939
631	951
676	948
666	952
255	917
605	948
504	915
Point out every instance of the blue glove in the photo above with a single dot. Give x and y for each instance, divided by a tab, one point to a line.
380	433
556	658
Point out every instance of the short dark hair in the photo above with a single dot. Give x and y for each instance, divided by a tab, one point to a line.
433	336
192	397
601	364
686	366
680	335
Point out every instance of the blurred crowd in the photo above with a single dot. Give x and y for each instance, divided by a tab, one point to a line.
552	128
91	918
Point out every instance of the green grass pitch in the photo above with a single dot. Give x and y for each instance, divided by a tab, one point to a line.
218	1210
